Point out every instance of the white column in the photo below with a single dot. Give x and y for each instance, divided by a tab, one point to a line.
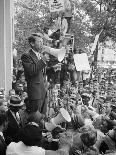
6	45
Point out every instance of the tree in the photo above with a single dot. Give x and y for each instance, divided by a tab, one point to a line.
29	17
89	17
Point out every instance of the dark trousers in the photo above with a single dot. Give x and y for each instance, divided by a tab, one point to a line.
40	104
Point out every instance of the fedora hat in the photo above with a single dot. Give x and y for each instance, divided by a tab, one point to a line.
15	101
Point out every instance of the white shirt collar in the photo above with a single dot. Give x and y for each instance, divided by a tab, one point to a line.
13	113
36	53
1	134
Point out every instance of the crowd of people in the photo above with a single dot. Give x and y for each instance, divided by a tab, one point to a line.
26	113
40	89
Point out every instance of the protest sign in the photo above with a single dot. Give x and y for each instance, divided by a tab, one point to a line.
81	62
56	5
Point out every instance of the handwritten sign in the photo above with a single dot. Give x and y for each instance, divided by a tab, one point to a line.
81	62
56	5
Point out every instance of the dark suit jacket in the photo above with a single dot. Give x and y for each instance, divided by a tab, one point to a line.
33	73
2	146
13	127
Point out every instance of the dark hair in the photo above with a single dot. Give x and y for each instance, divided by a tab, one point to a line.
30	135
3	118
32	37
89	138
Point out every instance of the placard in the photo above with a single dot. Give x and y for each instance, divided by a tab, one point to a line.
56	5
81	62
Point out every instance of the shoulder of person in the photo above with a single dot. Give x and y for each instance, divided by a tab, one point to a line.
10	147
37	150
25	55
27	52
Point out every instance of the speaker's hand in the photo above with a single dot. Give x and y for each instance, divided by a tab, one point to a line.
45	49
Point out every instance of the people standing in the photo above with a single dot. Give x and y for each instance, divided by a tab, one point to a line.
3	124
14	121
34	62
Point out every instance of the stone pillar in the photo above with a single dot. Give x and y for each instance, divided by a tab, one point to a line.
6	45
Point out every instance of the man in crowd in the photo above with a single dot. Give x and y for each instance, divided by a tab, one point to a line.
3	124
14	122
34	63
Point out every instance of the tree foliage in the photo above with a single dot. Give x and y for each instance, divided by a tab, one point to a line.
89	17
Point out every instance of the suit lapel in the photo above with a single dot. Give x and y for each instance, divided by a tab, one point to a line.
2	141
33	55
14	119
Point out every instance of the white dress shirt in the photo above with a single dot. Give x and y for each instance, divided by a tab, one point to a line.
1	134
21	149
16	116
37	54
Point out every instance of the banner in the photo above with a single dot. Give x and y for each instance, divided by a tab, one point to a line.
56	5
81	62
95	42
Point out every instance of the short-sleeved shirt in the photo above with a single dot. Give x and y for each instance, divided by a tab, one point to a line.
21	149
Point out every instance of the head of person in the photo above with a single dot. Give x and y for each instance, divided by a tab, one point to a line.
107	108
86	139
22	78
3	105
85	98
103	124
89	138
20	87
15	103
31	134
36	41
11	92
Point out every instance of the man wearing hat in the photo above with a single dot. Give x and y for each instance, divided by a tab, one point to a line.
14	123
34	62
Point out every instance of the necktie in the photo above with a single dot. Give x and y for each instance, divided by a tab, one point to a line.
17	117
38	55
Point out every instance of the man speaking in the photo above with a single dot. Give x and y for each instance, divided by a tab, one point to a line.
34	62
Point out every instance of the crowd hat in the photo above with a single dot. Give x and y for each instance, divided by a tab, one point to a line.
15	101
